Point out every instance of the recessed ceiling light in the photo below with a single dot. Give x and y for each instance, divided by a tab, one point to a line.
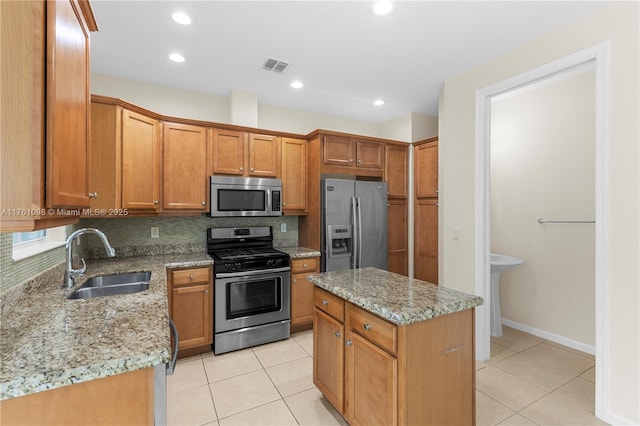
181	18
176	57
297	84
382	7
378	102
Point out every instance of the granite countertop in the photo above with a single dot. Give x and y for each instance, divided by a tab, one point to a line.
299	252
398	299
49	341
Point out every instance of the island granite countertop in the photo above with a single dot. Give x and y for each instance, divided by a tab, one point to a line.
49	341
398	299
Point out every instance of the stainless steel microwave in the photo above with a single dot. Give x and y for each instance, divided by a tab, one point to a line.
240	196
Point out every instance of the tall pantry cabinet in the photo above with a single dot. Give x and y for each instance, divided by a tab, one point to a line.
425	159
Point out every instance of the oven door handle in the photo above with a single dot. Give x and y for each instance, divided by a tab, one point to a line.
251	273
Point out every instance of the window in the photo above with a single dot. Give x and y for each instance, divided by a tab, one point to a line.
27	244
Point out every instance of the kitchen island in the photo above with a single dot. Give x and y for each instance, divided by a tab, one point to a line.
54	344
394	350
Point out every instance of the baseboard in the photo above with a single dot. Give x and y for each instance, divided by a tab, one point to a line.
573	344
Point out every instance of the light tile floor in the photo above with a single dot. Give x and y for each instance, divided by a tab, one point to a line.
527	381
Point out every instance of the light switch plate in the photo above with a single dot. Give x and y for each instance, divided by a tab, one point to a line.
283	227
155	232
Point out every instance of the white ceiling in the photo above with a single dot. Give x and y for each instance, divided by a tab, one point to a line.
344	54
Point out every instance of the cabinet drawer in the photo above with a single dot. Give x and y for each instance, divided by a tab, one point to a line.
304	265
190	276
333	305
373	328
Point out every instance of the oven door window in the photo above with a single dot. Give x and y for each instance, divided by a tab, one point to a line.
246	298
234	200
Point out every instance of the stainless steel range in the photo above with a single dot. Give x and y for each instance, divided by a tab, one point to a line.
251	288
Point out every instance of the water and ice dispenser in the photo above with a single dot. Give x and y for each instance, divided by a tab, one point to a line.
339	247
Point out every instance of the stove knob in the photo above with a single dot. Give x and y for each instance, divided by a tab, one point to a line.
237	266
270	263
278	262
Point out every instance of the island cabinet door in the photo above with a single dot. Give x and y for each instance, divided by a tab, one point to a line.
370	384
328	358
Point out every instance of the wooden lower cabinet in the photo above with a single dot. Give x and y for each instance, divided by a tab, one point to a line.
378	373
302	292
123	399
191	308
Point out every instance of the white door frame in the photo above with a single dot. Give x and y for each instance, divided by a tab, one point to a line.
599	55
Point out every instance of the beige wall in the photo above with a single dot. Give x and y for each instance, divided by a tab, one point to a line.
618	25
543	166
241	108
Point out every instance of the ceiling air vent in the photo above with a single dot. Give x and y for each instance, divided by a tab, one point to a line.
275	65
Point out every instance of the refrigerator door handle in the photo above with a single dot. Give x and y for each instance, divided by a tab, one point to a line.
355	242
359	204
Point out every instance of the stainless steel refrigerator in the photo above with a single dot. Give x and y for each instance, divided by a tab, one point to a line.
354	224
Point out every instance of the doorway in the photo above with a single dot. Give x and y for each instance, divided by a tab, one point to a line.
597	55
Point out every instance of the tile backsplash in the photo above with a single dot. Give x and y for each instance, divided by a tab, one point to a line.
129	232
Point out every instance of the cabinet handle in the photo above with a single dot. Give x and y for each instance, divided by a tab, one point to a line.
202	202
348	343
191	277
93	195
338	334
304	265
324	302
156	202
367	327
452	349
241	168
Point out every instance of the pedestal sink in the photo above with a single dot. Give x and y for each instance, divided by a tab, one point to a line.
499	263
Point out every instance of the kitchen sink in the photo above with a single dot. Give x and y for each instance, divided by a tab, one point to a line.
109	285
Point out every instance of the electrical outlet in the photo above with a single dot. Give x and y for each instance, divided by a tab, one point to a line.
455	233
283	227
155	232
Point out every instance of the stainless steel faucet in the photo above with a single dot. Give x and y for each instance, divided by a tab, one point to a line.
70	273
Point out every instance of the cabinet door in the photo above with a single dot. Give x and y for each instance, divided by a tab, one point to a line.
426	239
184	165
328	358
106	165
140	162
338	151
67	106
370	384
264	156
227	153
294	176
301	300
397	236
396	170
191	312
426	169
369	155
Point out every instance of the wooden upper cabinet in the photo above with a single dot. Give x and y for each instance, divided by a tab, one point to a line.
244	154
294	176
338	151
44	112
227	152
264	156
396	170
369	154
426	169
140	162
67	113
184	167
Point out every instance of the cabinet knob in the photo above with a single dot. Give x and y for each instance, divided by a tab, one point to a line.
253	170
437	204
304	265
93	195
206	291
156	202
203	203
338	334
284	204
437	191
348	343
241	168
367	327
324	302
295	280
359	161
191	277
351	160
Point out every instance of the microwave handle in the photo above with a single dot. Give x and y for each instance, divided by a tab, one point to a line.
269	200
